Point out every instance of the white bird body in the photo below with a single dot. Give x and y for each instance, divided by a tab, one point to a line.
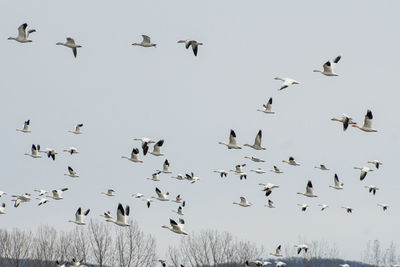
291	161
348	209
367	127
134	156
243	202
122	215
322	167
254	159
109	193
257	142
258	171
70	43
270	204
21	199
34	153
372	188
329	67
179	211
23	34
268	188
154	176
77	129
301	247
157	149
178	199
303	206
383	206
148	201
179	177
79	217
57	194
377	163
160	196
138	195
364	171
337	185
276	170
3	208
165	167
345	120
309	190
26	127
146	42
192	43
286	82
71	150
144	140
323	206
344	265
107	215
280	264
222	173
266	108
42	201
192	178
41	191
239	171
2	193
277	252
176	227
71	173
232	141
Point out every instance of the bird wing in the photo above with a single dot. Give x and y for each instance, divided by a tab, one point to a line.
269	104
158	146
146	39
243	200
70	41
336	180
328	67
78	215
309	188
158	191
368	119
120	213
22	31
257	141
232	138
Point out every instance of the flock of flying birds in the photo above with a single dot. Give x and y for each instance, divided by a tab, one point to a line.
177	226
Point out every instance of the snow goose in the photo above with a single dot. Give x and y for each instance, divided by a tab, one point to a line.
179	211
268	188
23	34
157	148
176	227
372	189
71	173
21	198
109	193
303	206
344	265
291	161
383	206
276	170
148	201
260	263
239	171
267	107
367	123
329	67
154	177
345	120
277	252
348	209
146	42
162	261
377	163
222	173
165	167
77	129
243	202
122	214
77	263
2	193
178	199
59	264
301	247
70	43
106	215
179	176
57	194
34	153
71	150
254	159
79	217
42	201
270	204
192	178
280	264
257	142
338	185
192	43
309	190
258	171
51	153
323	206
232	141
26	127
160	196
3	208
134	156
286	82
322	167
144	140
364	171
41	191
138	195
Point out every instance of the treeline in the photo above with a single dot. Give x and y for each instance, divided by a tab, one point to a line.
100	244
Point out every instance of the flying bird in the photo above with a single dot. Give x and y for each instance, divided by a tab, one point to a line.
276	170
26	127
329	67
243	202
372	189
367	127
345	120
309	190
71	150
57	194
110	192
193	43
232	141
267	107
23	34
286	82
254	159
348	209
70	43
323	206
122	215
34	153
291	161
160	196
165	167
277	252
77	129
364	171
157	148
377	163
257	142
337	185
176	227
146	42
134	156
322	167
222	173
71	173
80	217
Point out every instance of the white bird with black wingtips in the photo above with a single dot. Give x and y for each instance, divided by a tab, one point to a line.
34	153
243	202
309	190
154	177
364	171
383	206
57	194
157	149
323	206
71	173
345	120
367	127
276	170
165	167
193	43
268	188
254	159
337	185
146	42
134	156
26	127
301	247
239	171
3	208
77	129
270	204
42	200
70	43
286	82
71	150
232	141
322	167
291	161
277	252
109	193
267	107
372	189
79	217
176	227
122	215
23	34
377	163
329	67
222	173
257	142
160	196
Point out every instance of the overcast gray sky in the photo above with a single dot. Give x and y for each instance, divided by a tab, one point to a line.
119	92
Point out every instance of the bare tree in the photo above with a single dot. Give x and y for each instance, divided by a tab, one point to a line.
43	247
100	243
17	247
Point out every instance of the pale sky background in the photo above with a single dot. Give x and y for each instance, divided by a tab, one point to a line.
119	92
